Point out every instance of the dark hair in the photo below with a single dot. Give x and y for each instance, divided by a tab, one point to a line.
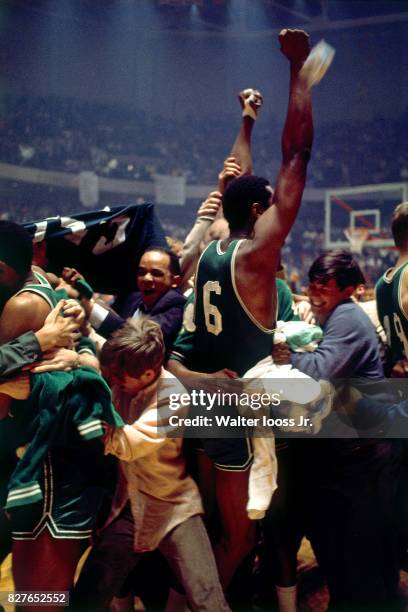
174	260
239	196
16	247
135	347
337	264
399	225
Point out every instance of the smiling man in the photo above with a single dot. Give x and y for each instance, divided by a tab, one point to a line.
347	509
349	347
157	297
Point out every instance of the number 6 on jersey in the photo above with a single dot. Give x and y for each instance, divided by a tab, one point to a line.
213	318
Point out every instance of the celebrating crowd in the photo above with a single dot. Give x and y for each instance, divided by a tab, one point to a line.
90	453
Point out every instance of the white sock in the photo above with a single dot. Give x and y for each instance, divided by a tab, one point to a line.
287	598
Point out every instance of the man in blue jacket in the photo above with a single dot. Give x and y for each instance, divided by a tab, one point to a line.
349	483
157	297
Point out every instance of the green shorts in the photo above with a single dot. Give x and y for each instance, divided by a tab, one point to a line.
73	490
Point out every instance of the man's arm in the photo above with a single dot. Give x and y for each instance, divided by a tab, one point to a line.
180	371
66	360
170	324
274	225
150	430
238	162
18	353
57	331
375	412
339	354
191	247
251	101
106	321
22	313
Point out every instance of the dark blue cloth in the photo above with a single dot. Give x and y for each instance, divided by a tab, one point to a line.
104	245
383	418
167	312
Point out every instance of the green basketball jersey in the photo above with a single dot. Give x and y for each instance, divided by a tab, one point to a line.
42	287
285	306
226	334
391	314
184	346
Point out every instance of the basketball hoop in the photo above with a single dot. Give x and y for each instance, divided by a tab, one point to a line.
356	237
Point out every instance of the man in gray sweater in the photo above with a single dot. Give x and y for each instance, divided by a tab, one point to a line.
349	483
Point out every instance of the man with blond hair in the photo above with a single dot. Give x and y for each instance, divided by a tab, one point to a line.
157	504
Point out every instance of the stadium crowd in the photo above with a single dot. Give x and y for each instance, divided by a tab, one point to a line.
69	135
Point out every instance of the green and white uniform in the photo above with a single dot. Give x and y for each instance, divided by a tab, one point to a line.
61	480
41	287
242	341
392	316
224	334
227	335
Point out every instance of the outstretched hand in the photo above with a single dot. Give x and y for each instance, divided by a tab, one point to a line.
60	330
295	45
231	170
251	101
211	205
74	310
60	359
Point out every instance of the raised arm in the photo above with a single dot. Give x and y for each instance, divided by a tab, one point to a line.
239	162
191	247
251	101
274	225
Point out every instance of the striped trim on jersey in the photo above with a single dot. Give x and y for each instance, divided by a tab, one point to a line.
47	521
36	288
266	330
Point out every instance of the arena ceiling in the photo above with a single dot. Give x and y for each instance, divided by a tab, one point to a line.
226	18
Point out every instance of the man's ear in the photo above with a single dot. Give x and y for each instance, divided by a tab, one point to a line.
348	291
176	280
257	210
148	376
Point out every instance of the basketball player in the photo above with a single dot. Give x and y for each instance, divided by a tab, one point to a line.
51	529
392	307
235	306
392	296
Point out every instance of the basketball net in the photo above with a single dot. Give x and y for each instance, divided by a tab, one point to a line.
356	237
